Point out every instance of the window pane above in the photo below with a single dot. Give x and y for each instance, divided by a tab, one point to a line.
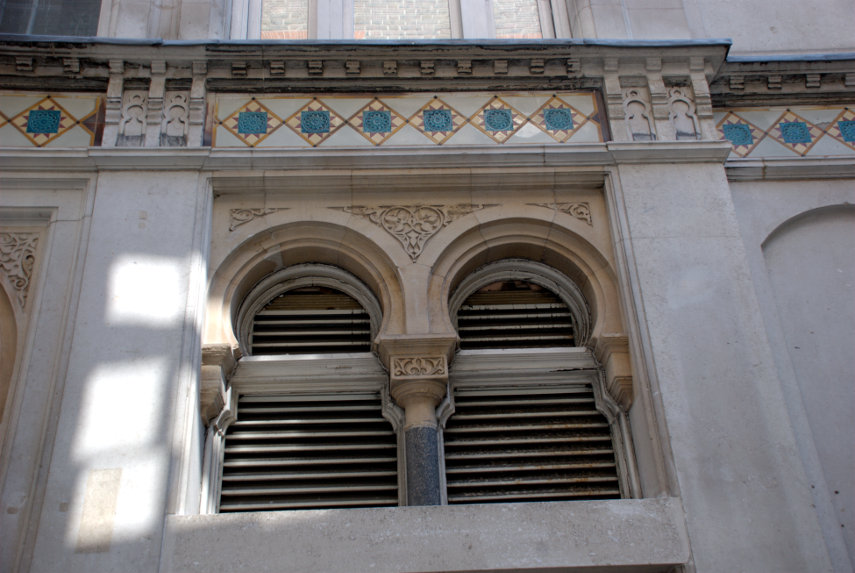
50	17
285	20
517	19
401	20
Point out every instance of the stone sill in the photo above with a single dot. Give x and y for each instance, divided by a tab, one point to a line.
638	535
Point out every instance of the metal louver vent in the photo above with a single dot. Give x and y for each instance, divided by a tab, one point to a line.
502	447
298	452
514	314
311	320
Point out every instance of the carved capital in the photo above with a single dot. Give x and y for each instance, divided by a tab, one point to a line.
218	362
612	350
418	384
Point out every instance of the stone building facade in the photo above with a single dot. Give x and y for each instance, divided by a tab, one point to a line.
185	220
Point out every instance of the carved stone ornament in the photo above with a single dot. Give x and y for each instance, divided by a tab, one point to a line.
176	119
413	225
242	216
17	259
133	114
581	211
681	112
418	366
639	121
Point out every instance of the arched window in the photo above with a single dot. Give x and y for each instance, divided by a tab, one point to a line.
527	419
309	423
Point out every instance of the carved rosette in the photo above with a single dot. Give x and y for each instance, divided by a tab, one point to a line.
242	216
17	259
581	211
413	225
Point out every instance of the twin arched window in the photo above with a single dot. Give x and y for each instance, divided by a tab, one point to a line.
524	420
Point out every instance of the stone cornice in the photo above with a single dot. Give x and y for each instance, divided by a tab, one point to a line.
86	64
820	79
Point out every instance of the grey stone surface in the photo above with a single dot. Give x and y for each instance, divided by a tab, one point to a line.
422	466
512	537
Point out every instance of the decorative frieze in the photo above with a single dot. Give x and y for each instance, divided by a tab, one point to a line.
413	225
133	119
637	114
176	120
681	113
17	259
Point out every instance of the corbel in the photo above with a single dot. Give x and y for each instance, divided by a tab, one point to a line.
775	82
240	69
574	67
113	105
315	67
24	63
352	67
703	98
536	66
426	67
154	114
464	67
500	67
813	81
277	68
612	351
849	80
390	67
197	103
659	99
71	65
614	99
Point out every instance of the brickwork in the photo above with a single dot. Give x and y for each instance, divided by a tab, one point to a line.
516	19
285	20
401	19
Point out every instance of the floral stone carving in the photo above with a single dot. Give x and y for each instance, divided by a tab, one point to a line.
413	225
17	259
242	216
581	211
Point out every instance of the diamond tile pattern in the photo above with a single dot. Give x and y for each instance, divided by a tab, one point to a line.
843	128
498	120
437	120
315	122
559	119
252	122
377	122
795	132
44	122
743	135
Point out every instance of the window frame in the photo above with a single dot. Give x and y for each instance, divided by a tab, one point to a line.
333	19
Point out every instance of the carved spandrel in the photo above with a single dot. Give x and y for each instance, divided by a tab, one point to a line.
413	225
240	217
17	259
581	211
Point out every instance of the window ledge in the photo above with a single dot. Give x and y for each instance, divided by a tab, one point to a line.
624	535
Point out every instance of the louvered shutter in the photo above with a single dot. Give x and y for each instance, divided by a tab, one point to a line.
531	445
297	451
514	314
311	320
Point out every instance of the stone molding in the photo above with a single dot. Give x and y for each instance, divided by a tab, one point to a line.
218	363
17	260
413	225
